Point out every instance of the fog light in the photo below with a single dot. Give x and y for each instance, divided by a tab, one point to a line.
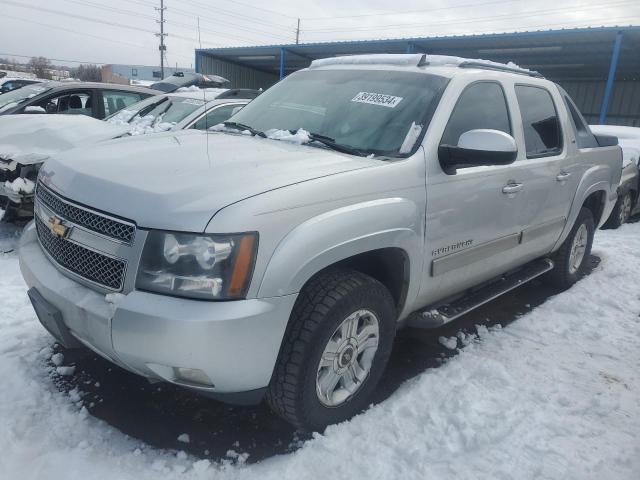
192	375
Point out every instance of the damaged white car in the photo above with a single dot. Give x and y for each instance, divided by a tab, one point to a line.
27	141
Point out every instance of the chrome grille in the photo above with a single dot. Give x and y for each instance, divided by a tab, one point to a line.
96	267
93	221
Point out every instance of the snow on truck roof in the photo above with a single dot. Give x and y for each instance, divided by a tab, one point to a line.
422	60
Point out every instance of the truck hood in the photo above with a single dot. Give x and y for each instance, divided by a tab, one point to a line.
28	139
179	180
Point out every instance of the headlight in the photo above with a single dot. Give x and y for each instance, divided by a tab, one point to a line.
210	267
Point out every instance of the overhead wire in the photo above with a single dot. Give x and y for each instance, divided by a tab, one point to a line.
484	19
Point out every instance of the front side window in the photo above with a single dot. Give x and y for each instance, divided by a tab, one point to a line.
216	116
481	106
540	122
371	111
114	100
69	103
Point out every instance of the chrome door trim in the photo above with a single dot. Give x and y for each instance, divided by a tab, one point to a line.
543	229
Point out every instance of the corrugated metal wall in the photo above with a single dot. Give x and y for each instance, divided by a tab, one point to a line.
624	105
240	76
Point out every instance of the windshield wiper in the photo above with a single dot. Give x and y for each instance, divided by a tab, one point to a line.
338	147
242	126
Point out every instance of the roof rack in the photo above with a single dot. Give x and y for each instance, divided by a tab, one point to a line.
422	60
499	67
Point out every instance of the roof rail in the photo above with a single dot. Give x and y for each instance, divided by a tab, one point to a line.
422	60
499	67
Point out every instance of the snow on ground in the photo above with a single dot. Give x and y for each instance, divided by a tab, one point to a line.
555	394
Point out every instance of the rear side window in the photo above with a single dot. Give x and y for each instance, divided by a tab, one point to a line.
584	137
116	100
540	122
481	105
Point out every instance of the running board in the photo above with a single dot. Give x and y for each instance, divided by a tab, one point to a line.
435	316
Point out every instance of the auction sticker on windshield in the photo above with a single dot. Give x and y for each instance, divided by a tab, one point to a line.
377	99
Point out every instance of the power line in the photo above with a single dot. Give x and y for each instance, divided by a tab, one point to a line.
230	13
72	15
56	27
489	18
406	12
586	23
262	9
122	11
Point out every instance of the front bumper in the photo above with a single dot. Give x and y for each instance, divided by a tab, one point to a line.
235	343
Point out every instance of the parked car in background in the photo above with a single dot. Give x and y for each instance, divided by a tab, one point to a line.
27	141
8	84
628	199
190	108
97	100
190	79
278	259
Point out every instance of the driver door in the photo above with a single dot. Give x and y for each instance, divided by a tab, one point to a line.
472	233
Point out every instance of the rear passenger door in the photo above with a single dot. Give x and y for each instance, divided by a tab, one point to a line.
544	168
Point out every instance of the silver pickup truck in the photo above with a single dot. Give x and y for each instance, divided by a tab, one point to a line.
276	256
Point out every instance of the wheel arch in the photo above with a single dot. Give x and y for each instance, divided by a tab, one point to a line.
380	238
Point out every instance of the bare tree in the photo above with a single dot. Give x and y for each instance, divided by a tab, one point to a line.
39	66
87	73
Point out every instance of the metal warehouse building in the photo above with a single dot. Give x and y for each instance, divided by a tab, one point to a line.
599	67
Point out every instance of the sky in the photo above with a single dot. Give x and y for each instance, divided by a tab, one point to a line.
122	31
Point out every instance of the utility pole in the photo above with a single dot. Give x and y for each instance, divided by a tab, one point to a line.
298	33
162	47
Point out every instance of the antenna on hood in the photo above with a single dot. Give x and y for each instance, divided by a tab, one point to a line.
204	98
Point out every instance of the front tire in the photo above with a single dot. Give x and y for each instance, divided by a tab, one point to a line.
621	211
572	258
336	347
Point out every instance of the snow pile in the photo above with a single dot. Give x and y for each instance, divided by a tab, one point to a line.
553	395
300	137
221	127
192	88
34	109
122	117
21	185
141	125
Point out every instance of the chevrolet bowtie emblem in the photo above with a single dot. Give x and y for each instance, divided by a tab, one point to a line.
57	228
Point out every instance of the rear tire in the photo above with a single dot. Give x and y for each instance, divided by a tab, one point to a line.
621	212
572	258
335	349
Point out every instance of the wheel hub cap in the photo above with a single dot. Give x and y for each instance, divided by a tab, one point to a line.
347	358
578	249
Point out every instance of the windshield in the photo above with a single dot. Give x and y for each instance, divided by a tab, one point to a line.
156	114
15	97
380	112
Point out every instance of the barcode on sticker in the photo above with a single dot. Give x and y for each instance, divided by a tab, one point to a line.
377	99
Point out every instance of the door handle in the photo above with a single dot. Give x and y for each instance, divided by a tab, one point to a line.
512	188
563	176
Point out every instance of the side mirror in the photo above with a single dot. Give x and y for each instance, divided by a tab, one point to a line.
51	107
477	148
